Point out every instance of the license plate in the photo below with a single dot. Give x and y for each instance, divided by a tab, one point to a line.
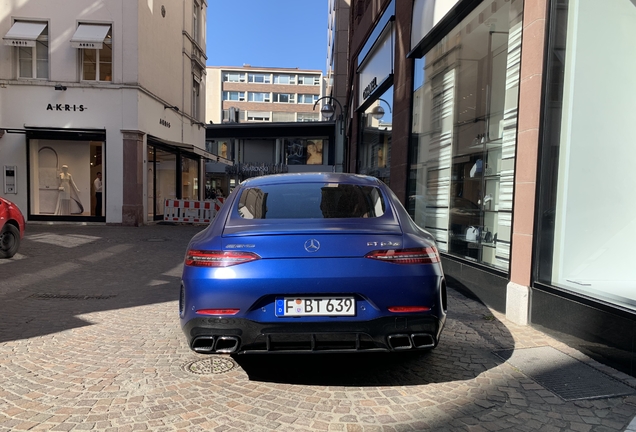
315	306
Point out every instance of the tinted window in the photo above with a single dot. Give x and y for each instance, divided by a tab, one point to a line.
310	201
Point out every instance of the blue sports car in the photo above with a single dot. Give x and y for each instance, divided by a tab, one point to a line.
317	262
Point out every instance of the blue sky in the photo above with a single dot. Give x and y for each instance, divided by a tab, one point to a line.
272	33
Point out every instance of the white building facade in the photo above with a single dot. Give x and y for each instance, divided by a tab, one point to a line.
114	87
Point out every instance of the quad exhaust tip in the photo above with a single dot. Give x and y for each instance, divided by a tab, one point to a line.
215	344
400	342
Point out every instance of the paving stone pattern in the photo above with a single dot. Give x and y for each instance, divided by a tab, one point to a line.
90	340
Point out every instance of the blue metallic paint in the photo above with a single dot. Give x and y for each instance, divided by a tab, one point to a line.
287	269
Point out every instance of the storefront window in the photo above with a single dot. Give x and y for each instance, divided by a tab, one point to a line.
63	175
189	179
150	183
165	178
300	151
464	134
375	148
586	205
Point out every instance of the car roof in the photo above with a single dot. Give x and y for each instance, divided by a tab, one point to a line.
328	177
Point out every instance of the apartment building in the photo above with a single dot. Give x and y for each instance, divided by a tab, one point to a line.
511	143
262	94
112	87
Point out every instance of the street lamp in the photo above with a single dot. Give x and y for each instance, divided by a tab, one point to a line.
377	111
327	110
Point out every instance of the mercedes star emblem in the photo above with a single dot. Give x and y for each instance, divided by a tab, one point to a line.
312	245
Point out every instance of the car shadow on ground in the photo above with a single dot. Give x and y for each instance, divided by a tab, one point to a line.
468	341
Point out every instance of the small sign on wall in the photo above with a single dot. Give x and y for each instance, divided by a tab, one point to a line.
9	174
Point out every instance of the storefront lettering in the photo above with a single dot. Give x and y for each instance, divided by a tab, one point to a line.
65	107
369	89
19	43
247	170
162	122
86	45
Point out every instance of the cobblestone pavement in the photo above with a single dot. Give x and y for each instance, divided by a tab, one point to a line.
90	340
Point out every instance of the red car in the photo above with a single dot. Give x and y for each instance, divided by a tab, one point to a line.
11	228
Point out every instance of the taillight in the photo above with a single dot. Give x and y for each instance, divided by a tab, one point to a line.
218	311
204	258
408	309
427	255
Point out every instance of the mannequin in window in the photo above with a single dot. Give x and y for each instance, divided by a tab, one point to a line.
68	192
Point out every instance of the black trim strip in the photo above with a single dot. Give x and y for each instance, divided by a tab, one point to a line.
455	16
483	267
65	134
583	299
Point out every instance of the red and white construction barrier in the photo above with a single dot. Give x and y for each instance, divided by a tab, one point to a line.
191	211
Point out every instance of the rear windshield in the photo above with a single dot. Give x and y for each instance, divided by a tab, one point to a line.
310	201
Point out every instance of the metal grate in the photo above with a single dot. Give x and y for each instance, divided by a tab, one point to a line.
563	375
49	296
214	365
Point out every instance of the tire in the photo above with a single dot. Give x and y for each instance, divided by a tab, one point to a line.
9	241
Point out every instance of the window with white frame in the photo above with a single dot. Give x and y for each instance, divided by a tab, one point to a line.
262	116
31	40
284	97
308	117
259	78
234	96
233	77
196	98
284	79
96	51
309	79
307	98
196	11
258	97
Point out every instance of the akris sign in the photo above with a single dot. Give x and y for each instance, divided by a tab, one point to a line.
65	107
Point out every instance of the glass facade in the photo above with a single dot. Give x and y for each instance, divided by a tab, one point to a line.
462	152
586	215
374	156
172	174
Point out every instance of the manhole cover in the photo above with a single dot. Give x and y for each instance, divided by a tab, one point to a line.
214	365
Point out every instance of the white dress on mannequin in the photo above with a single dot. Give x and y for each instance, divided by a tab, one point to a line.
68	193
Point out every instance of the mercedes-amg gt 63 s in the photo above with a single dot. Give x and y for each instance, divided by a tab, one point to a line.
316	262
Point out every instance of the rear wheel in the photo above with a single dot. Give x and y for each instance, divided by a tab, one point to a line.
9	241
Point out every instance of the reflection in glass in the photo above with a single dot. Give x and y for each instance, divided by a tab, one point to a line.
375	147
586	206
464	135
311	201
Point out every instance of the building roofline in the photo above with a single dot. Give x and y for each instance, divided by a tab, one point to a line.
264	68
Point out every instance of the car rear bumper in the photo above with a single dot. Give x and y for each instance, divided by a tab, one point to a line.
243	336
